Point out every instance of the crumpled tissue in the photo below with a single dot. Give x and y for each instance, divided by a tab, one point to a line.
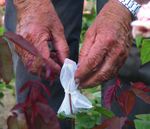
73	101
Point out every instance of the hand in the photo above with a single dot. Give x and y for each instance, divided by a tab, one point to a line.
2	2
106	46
38	23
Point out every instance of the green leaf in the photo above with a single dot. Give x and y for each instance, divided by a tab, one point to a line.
105	112
2	86
63	116
143	121
10	87
142	124
82	119
1	95
92	116
138	41
143	117
1	30
145	51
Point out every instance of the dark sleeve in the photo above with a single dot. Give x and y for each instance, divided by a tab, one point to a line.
100	4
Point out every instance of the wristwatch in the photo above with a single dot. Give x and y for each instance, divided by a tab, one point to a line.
131	5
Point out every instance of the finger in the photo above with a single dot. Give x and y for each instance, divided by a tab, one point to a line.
51	61
43	67
54	66
93	61
59	41
85	50
50	68
88	42
61	47
47	54
48	64
110	67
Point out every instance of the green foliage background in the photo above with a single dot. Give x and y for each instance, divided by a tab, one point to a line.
142	121
86	22
3	86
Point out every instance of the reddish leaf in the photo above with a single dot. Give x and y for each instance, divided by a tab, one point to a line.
141	86
129	123
40	124
6	65
47	114
127	101
18	106
113	123
34	113
34	94
42	99
110	93
28	103
142	95
23	43
25	86
36	107
43	87
35	83
118	83
108	96
42	117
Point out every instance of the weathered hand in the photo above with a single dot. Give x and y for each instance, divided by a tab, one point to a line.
38	23
2	2
106	46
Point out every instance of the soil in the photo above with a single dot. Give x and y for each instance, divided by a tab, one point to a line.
9	102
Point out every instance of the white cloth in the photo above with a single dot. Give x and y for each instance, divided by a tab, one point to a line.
78	101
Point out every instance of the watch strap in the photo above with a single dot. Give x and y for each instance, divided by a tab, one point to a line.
131	5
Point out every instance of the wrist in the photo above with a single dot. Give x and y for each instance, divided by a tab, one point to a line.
26	5
114	10
32	8
131	5
142	1
118	9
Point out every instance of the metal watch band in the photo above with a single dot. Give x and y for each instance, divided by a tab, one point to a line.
131	5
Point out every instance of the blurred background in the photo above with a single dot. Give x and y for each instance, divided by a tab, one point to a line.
7	96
